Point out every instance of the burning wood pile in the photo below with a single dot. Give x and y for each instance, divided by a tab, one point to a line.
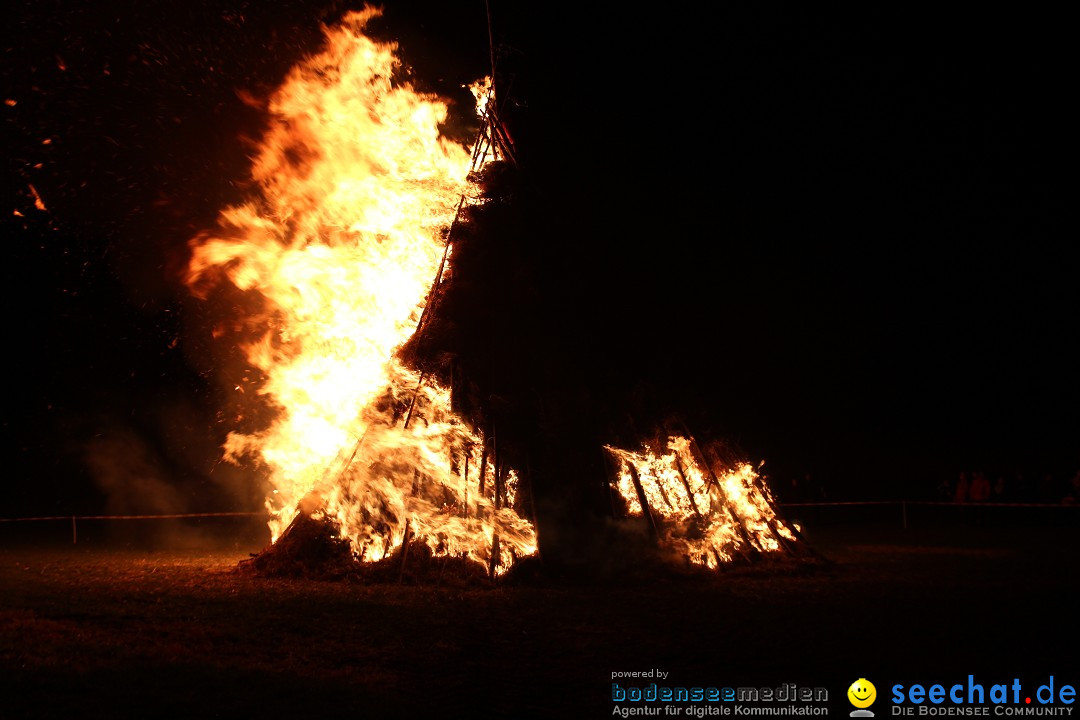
355	277
699	505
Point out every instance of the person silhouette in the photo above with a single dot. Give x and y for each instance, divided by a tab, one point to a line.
1000	493
960	492
979	490
944	490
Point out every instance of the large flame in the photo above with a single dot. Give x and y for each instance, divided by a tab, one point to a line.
342	241
708	513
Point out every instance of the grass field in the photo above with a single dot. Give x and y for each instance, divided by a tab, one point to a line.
105	630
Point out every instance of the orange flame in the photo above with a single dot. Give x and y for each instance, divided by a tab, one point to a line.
356	190
709	515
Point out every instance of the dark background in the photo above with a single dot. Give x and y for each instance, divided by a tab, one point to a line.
835	240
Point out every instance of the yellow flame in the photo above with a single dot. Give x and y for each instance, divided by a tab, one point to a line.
356	188
482	91
707	514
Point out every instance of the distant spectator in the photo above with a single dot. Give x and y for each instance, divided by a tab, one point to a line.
1021	488
1047	491
944	490
794	491
1072	493
979	491
822	493
999	493
960	492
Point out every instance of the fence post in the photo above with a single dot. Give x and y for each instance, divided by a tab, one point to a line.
903	511
74	533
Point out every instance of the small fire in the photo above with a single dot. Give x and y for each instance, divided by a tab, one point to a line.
340	246
703	511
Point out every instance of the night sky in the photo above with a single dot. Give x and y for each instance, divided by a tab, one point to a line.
834	240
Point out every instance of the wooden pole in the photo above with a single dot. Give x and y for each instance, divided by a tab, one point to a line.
466	477
664	495
495	553
714	481
645	509
532	501
686	484
412	403
404	554
502	140
611	462
802	545
479	154
500	479
483	466
491	48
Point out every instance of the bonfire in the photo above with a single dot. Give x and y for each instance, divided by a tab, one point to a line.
380	449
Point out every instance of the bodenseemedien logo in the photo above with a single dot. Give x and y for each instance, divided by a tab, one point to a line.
862	694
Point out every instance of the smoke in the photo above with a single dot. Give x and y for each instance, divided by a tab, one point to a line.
139	475
131	475
188	435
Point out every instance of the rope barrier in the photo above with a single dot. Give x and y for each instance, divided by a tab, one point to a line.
930	502
133	517
904	505
175	516
170	516
991	504
854	502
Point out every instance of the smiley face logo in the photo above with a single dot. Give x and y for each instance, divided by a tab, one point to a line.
862	693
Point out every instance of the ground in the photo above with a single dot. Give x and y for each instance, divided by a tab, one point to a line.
100	629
